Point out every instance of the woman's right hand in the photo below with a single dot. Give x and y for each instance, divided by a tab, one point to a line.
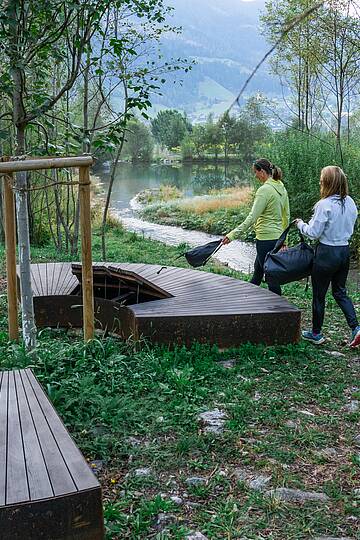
225	241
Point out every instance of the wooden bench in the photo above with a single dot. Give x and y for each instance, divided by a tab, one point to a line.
47	490
170	306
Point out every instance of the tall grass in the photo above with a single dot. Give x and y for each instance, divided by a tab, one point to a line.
229	198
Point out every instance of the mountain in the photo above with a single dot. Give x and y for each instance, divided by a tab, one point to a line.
223	37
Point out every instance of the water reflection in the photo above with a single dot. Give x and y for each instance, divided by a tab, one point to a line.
192	179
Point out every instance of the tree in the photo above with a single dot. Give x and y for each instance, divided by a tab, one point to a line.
320	59
251	128
340	76
138	142
213	135
169	128
228	126
295	61
30	32
198	139
49	49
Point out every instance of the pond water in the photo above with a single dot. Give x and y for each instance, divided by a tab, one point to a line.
191	180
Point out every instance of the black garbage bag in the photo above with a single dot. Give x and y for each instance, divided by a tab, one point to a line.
200	255
292	264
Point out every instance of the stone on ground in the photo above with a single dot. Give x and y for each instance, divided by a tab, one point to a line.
213	420
227	364
353	406
296	495
195	480
332	538
251	479
195	536
146	471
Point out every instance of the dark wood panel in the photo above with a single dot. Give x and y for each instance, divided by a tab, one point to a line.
3	434
224	332
75	462
60	478
74	517
17	489
37	474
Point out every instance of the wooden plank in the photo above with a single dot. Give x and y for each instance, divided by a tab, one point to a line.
10	243
3	435
86	255
60	478
42	278
151	286
17	489
60	276
47	163
75	462
66	281
35	284
37	474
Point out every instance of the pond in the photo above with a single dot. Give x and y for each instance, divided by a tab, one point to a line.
191	179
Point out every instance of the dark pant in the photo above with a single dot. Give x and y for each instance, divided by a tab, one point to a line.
331	265
262	249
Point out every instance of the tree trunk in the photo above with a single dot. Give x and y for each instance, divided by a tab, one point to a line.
108	197
27	305
26	294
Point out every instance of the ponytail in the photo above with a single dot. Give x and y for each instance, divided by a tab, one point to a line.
276	173
269	168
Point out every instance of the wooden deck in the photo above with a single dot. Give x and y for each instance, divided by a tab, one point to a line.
47	490
176	306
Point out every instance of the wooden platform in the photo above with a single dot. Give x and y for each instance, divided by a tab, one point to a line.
47	490
176	306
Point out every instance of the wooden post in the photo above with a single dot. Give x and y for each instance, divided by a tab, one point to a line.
10	248
86	256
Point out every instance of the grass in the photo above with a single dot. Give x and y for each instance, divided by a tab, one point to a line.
162	194
135	406
216	213
229	198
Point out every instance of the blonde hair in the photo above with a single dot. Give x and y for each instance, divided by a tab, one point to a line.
333	181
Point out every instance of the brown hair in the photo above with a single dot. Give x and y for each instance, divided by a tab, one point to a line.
268	167
333	181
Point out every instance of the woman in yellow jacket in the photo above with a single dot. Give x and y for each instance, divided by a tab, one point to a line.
269	215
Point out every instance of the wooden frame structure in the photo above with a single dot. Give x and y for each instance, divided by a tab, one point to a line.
169	306
8	168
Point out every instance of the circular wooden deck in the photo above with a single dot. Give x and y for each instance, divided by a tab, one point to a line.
177	306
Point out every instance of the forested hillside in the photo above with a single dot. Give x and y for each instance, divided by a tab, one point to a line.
225	41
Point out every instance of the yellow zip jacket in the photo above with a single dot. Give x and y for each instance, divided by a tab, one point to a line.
270	213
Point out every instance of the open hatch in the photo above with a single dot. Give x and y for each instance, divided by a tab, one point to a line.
121	286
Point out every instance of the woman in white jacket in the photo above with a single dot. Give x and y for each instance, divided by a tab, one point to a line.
332	225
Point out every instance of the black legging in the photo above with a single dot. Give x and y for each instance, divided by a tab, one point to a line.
262	248
331	265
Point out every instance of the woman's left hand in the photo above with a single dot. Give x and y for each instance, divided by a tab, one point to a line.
225	241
